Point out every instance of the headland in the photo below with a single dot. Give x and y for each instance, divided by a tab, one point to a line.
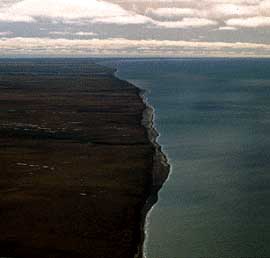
79	163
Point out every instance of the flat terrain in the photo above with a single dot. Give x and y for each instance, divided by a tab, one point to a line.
75	161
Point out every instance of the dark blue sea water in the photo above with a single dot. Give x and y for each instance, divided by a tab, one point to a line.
214	119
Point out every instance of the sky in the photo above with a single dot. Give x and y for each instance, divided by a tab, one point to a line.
135	28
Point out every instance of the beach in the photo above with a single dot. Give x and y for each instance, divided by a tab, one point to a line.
79	163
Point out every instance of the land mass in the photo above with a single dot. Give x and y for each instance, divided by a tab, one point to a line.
79	165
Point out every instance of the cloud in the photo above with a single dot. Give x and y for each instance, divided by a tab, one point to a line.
79	33
94	10
227	28
252	22
243	2
233	10
120	46
123	20
255	12
171	12
10	17
164	14
186	22
83	33
217	11
186	1
67	24
5	33
5	3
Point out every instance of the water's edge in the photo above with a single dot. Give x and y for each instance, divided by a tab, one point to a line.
160	169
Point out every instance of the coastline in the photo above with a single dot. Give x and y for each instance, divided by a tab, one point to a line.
160	169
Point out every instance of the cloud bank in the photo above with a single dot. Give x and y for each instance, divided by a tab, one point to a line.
167	14
120	46
69	10
135	27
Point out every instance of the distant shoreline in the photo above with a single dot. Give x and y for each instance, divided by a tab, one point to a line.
161	167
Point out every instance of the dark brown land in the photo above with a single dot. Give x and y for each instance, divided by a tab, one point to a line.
76	163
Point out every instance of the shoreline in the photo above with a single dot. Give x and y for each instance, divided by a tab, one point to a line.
160	170
161	167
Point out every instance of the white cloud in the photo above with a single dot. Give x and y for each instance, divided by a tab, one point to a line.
5	33
9	17
232	10
83	33
121	46
187	1
217	11
79	33
171	12
62	33
162	13
186	22
4	3
242	13
242	2
252	22
123	20
30	10
93	11
227	28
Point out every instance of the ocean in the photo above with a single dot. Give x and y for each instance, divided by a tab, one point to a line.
213	116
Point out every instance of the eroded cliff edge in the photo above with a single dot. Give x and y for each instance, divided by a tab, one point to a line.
160	170
160	166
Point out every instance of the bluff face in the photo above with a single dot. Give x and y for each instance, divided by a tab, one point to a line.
75	161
